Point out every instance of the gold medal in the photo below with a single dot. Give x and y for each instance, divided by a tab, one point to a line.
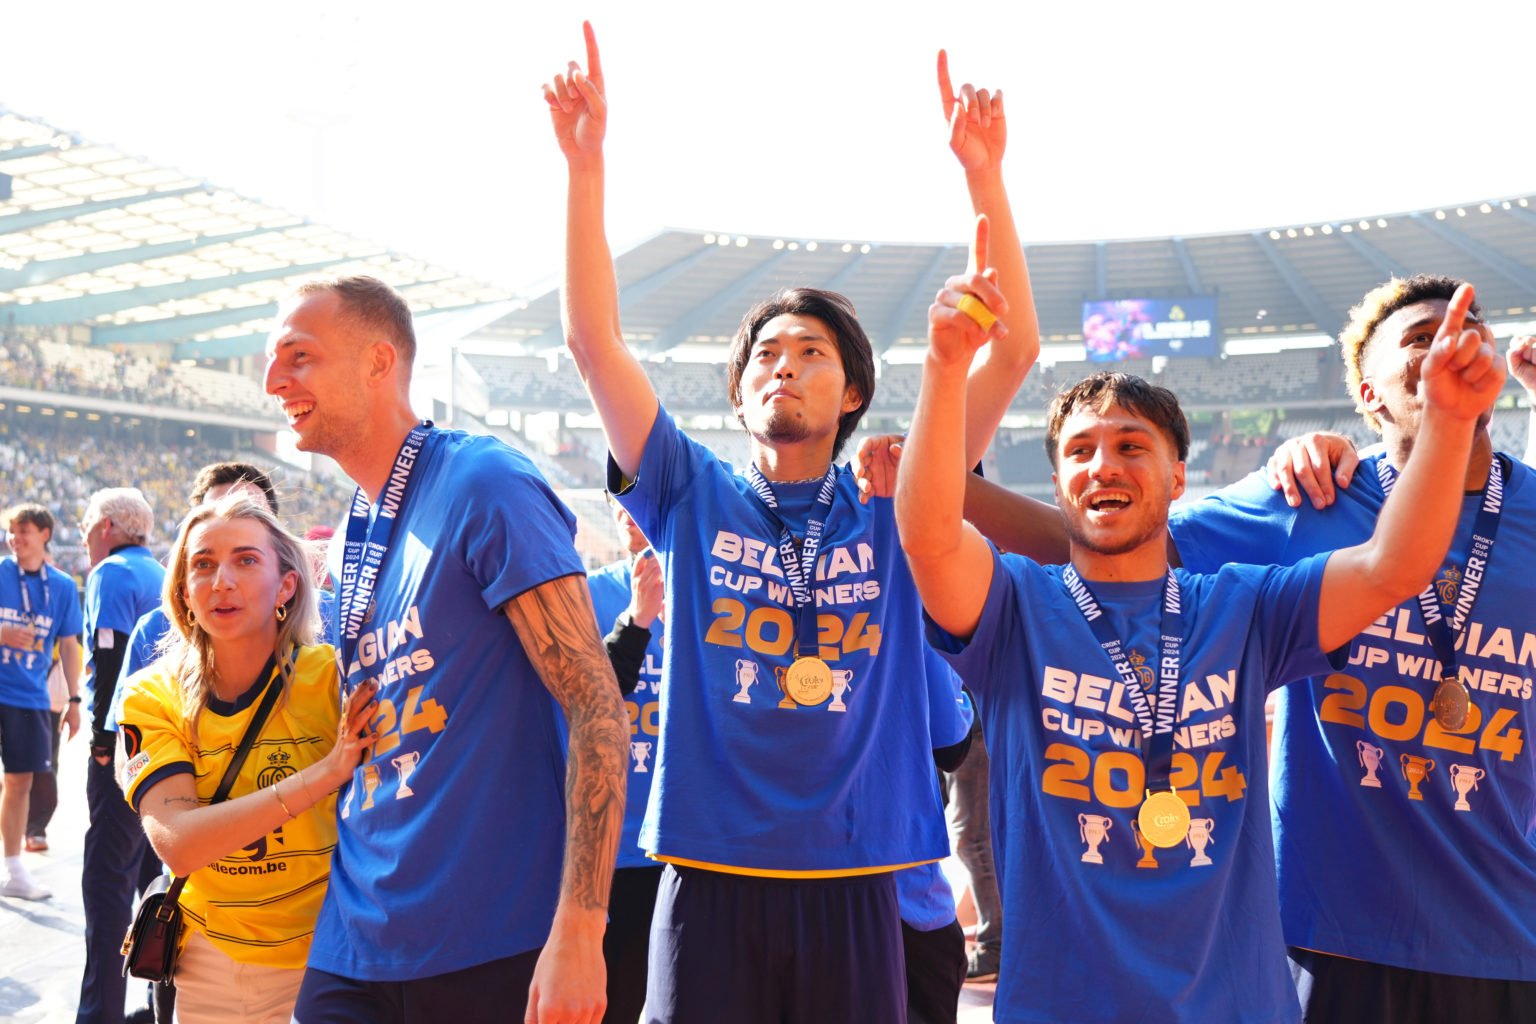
808	682
1163	819
1450	704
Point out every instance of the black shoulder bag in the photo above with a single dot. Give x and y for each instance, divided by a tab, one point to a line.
149	948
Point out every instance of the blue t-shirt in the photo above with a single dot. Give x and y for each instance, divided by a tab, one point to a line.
1100	927
746	780
610	598
119	591
55	604
450	839
923	892
1432	873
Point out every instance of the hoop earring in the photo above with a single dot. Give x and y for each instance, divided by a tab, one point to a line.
281	613
191	618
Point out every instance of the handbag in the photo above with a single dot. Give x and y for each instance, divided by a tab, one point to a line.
150	947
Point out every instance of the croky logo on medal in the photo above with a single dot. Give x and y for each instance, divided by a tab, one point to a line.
808	682
1163	819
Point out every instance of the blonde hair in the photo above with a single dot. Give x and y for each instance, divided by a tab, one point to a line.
187	649
127	508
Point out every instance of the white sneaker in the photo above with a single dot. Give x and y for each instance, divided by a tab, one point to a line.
21	886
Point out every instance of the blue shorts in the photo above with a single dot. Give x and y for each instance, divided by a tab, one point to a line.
26	739
491	993
752	950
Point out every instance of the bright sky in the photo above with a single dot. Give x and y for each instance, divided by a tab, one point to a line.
420	125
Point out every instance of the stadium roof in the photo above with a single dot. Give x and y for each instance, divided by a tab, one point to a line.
691	287
142	253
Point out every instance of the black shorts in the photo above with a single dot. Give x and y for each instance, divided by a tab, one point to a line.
26	739
488	993
1338	990
752	950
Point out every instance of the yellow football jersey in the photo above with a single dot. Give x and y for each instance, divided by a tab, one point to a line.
257	904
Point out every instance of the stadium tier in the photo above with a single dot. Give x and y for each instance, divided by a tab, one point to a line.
134	302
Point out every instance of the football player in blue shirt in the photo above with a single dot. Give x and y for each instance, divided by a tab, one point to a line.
794	771
460	593
1190	930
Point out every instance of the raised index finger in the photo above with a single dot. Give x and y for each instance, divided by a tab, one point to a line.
594	61
979	246
946	90
1456	312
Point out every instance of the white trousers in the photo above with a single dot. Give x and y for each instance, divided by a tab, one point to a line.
211	988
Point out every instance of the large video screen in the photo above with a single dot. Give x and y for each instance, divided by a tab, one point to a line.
1115	329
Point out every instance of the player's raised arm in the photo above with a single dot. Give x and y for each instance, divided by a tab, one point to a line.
625	400
951	563
1522	366
978	136
1460	378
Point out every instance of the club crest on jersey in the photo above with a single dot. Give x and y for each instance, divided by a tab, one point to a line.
1447	584
277	769
1144	672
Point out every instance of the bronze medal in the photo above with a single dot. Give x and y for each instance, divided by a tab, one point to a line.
808	682
1450	704
1163	819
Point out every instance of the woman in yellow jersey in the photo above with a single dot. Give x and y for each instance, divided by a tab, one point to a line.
243	618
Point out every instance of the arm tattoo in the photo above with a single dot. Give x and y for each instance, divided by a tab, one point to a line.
189	800
558	629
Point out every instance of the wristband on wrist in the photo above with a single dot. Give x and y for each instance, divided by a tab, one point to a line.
75	699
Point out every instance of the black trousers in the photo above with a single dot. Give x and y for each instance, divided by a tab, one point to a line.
627	942
935	972
488	993
116	866
1338	990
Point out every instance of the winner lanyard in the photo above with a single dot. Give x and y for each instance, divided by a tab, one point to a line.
367	544
1442	634
799	565
26	595
1156	728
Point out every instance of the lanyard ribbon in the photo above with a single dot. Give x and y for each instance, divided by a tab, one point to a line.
1156	729
26	595
1442	633
367	544
799	564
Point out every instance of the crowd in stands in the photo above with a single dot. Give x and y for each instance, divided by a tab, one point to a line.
44	365
61	473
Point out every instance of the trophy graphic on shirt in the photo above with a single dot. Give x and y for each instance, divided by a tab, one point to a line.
1094	829
746	675
1415	769
641	752
1199	838
370	783
841	678
1370	760
405	764
1148	851
1464	779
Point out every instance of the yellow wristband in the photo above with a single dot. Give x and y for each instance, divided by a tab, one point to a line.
977	310
279	796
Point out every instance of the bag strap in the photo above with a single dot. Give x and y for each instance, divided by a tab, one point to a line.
268	701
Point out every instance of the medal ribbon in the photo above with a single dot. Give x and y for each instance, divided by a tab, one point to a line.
26	595
367	544
1442	633
1156	730
799	565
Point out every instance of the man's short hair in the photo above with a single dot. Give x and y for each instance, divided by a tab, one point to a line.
127	508
27	514
1155	404
226	474
1379	303
370	307
853	346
